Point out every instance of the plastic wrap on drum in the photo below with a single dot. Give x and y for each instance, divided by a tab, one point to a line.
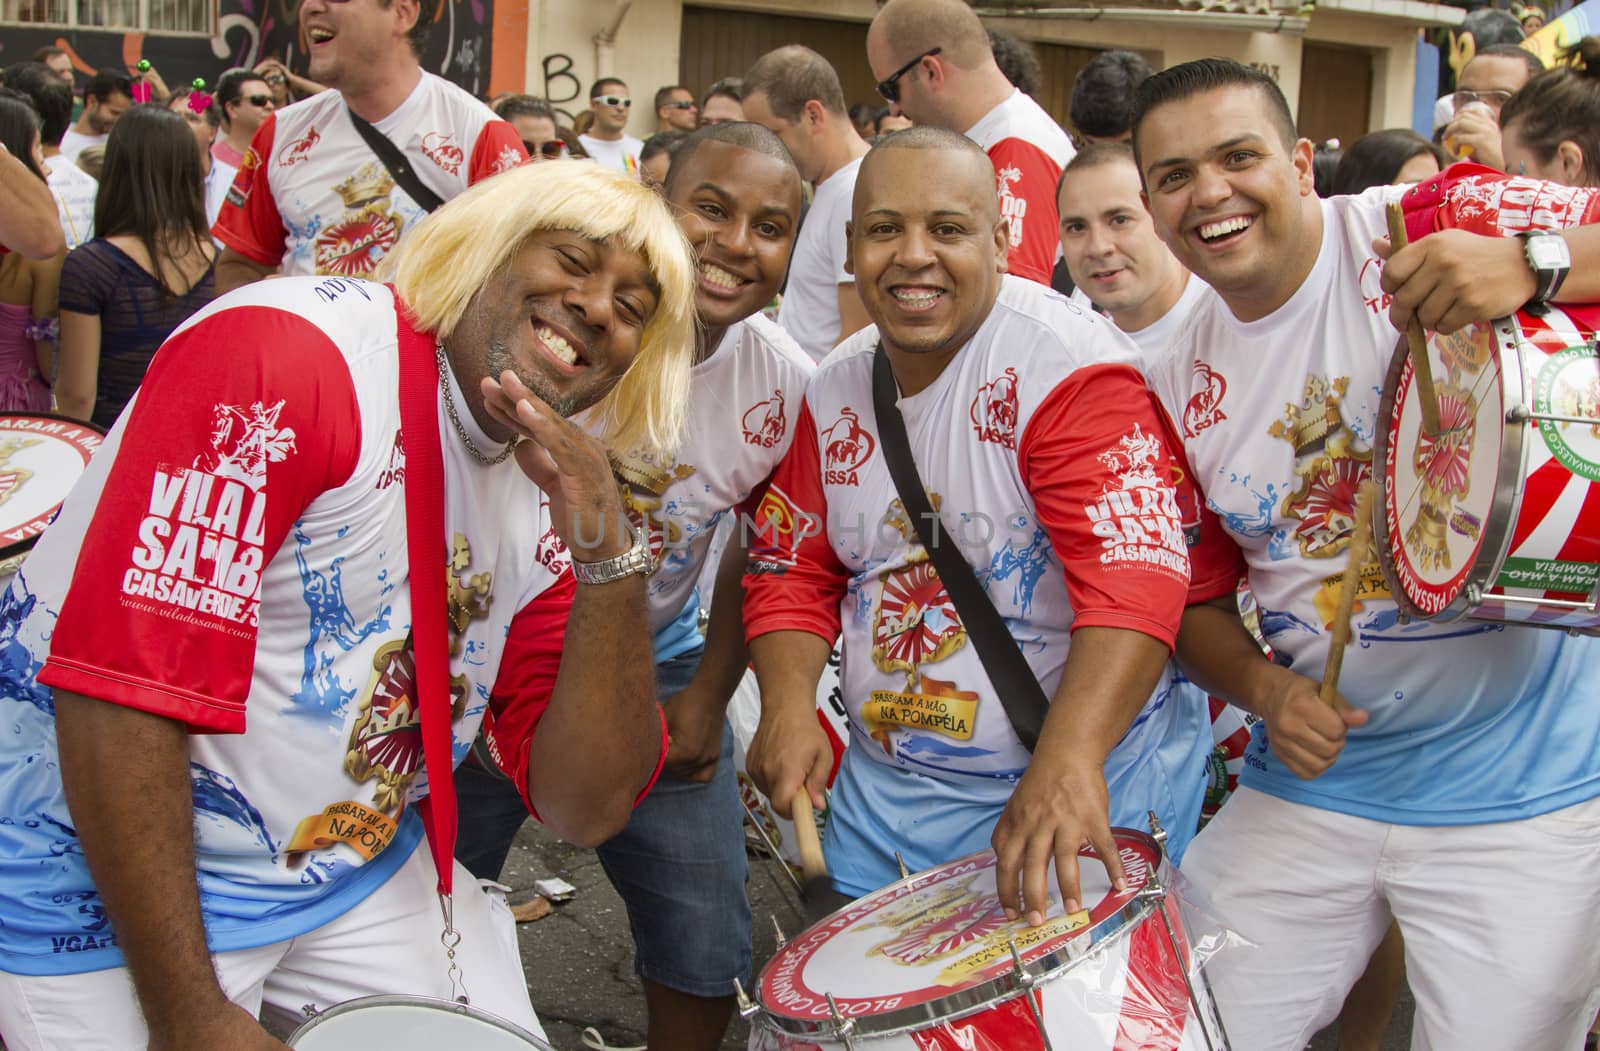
1134	980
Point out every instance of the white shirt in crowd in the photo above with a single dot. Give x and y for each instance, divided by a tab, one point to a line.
810	310
74	190
75	142
617	154
1155	339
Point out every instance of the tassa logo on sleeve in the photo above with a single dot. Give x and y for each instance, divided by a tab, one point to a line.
200	545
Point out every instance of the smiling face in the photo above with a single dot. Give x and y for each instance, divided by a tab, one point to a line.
927	248
350	41
740	210
102	114
1109	242
566	315
1235	205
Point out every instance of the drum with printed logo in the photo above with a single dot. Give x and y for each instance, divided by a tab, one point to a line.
411	1023
931	962
1497	517
42	456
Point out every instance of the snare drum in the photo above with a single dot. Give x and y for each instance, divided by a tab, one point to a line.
1497	517
931	962
41	457
411	1023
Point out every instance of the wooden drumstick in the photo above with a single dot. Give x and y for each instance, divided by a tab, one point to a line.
1359	550
1421	367
805	837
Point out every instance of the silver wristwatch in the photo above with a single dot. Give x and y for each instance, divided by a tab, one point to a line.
1549	259
637	559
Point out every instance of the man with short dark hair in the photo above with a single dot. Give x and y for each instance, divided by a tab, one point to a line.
536	124
676	109
1493	76
655	157
1112	251
244	102
795	92
108	93
1354	814
607	140
312	196
935	64
680	866
1027	421
58	62
723	102
1102	96
74	188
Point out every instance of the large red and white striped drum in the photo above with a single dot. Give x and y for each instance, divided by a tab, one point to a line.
1498	516
42	456
931	962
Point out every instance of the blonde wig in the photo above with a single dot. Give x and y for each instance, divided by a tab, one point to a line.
451	255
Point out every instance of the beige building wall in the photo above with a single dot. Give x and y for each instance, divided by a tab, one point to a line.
569	45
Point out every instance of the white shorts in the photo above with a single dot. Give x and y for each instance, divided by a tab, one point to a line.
1501	922
387	944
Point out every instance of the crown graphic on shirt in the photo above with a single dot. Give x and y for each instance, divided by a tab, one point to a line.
1316	417
371	182
651	477
897	519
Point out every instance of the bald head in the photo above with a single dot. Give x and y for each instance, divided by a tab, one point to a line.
955	158
907	28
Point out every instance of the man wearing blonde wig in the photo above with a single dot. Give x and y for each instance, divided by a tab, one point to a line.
219	684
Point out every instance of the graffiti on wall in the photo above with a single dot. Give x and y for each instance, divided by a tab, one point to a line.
562	86
249	31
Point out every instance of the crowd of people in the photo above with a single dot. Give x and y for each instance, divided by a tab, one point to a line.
639	393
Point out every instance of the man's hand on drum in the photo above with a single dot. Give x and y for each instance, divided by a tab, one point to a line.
569	466
1305	734
228	1028
789	750
1060	804
1452	278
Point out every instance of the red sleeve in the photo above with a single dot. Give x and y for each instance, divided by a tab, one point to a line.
1095	458
793	581
1216	565
498	149
1026	178
161	614
1467	196
527	678
249	222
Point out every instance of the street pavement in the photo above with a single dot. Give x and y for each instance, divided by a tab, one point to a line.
579	960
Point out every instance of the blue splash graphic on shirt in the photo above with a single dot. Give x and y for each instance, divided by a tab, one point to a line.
217	798
1026	562
932	744
19	668
1384	625
333	630
861	597
1275	622
1257	523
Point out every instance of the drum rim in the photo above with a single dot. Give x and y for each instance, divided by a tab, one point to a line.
22	547
962	1003
415	1000
1508	488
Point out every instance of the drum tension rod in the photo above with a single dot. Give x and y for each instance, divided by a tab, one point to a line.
747	1007
900	861
843	1028
777	931
1026	979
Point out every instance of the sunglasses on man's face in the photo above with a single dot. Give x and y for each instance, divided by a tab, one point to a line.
550	151
613	100
686	104
258	100
889	87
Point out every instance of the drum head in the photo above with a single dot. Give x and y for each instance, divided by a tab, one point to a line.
410	1023
1440	491
41	457
937	944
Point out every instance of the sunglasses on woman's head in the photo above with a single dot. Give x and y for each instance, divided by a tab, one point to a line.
548	150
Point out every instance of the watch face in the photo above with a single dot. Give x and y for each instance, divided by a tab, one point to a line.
1549	252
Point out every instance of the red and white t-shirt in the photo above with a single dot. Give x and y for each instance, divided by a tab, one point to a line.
1028	149
235	558
743	404
1050	466
312	198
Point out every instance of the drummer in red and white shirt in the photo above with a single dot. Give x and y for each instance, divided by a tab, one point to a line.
311	196
1047	457
1454	787
210	653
